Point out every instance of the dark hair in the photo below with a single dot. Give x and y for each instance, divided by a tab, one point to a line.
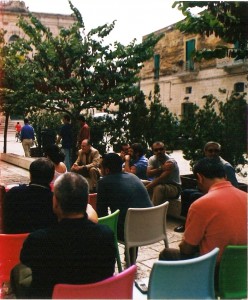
71	191
42	171
54	153
67	118
81	118
26	121
138	148
210	168
113	162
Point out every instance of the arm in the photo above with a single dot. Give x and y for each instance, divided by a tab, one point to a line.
165	171
187	249
127	167
92	215
96	159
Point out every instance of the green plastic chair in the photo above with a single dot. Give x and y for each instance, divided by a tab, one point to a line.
111	221
233	272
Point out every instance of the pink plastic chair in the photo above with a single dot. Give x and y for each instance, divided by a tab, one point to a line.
10	248
92	200
119	286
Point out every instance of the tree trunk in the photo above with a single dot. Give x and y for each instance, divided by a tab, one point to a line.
6	124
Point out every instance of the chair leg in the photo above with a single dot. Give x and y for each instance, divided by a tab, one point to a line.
127	255
166	244
118	258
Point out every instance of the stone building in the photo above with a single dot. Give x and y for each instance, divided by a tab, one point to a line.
183	82
12	9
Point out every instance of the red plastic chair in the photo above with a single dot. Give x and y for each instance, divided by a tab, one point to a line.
119	286
10	248
92	200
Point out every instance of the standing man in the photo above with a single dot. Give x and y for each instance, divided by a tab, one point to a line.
188	196
75	251
87	164
164	169
27	137
66	135
119	190
84	133
135	161
217	219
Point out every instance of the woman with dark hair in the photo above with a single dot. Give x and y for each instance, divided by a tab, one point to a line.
57	157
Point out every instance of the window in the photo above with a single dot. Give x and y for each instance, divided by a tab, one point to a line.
188	90
13	38
156	66
187	110
190	47
239	87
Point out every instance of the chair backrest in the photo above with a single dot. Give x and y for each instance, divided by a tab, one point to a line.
233	272
184	279
119	286
111	221
144	226
92	198
10	248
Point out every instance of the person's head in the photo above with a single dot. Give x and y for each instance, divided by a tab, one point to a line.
71	192
158	149
111	164
66	119
212	149
207	172
41	171
125	147
18	123
26	121
85	146
136	150
81	119
53	152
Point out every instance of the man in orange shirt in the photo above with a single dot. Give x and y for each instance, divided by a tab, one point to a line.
84	133
217	219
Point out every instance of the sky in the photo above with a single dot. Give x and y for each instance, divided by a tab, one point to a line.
134	18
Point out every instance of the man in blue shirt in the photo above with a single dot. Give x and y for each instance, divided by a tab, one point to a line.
27	137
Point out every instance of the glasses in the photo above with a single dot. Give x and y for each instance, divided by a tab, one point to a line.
213	150
158	149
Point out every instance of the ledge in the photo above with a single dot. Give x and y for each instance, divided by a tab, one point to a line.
17	160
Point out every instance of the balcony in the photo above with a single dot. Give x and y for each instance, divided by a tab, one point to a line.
189	71
230	65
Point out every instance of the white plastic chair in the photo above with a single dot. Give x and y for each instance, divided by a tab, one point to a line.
144	226
184	279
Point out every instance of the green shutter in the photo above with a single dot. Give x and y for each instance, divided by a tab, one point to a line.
156	65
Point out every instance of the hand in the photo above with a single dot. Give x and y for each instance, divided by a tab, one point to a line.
127	157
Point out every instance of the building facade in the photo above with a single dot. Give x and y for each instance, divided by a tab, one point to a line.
184	82
11	10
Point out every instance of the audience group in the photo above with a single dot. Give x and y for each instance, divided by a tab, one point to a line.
66	245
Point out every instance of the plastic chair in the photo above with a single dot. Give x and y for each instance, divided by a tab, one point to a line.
111	222
92	200
144	226
184	279
119	286
233	272
10	248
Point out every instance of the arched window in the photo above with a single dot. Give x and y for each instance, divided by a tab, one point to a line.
13	38
239	87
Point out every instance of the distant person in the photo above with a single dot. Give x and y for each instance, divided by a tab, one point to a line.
166	182
119	190
135	161
18	128
75	251
27	137
217	219
124	150
53	153
88	163
29	207
188	196
84	133
65	135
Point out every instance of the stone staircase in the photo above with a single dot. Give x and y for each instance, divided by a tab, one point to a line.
11	125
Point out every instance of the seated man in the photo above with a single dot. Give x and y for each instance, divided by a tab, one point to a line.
188	196
119	190
135	161
29	207
75	251
166	183
217	219
87	164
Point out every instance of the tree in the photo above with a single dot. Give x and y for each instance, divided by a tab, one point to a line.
75	71
226	19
